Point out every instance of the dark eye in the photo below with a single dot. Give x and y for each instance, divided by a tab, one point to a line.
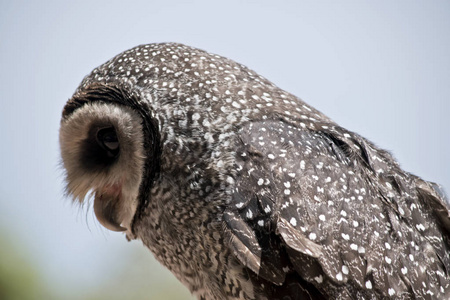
107	139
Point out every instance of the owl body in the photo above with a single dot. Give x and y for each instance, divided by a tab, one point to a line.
243	190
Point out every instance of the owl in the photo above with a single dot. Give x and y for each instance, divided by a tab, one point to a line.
244	191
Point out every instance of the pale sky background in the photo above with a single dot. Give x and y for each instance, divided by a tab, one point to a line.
380	68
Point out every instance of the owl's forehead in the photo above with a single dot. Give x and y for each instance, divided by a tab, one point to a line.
176	80
163	66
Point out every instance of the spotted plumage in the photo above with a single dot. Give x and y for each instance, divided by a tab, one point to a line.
243	190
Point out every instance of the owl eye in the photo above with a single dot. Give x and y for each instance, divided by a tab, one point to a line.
107	139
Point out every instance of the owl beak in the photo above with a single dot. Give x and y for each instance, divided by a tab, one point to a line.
106	208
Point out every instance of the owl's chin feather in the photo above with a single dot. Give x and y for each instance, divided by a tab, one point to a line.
106	208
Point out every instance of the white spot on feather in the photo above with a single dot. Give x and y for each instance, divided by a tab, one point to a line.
293	221
319	279
345	269
302	164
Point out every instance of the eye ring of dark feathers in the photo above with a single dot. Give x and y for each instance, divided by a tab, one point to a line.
108	140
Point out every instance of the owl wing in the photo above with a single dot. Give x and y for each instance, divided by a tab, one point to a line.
332	208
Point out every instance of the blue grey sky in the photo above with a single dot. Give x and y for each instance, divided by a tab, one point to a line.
379	68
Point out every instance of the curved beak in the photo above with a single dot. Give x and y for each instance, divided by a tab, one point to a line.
106	210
